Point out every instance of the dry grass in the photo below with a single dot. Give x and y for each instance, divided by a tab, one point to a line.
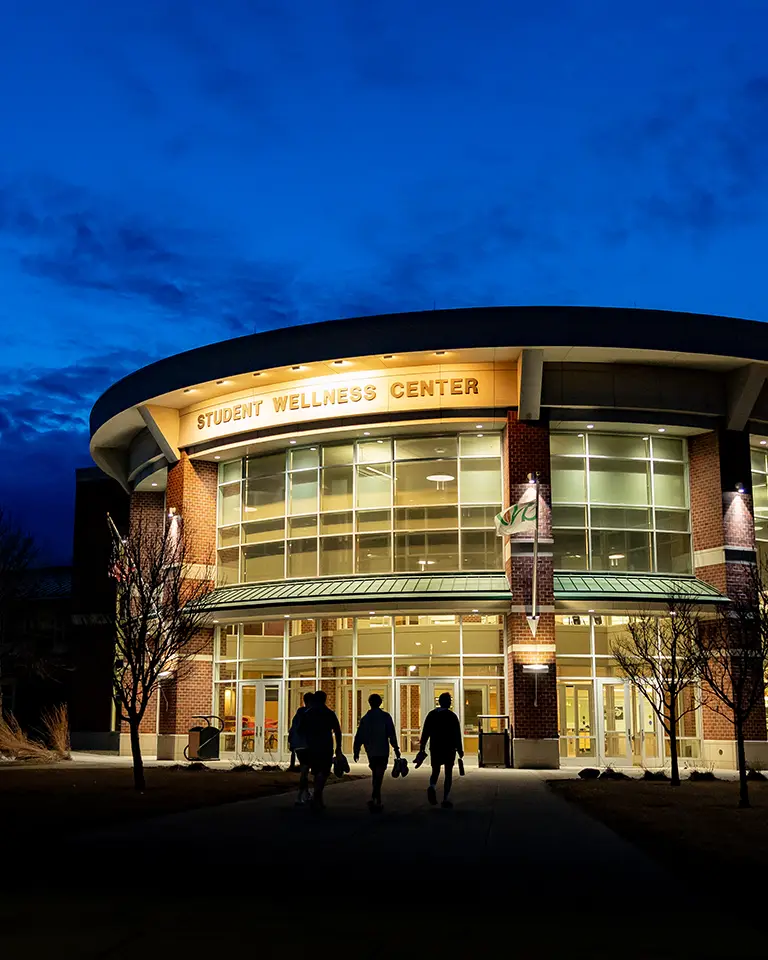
18	745
698	822
56	726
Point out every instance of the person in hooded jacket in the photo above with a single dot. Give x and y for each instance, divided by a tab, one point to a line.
375	733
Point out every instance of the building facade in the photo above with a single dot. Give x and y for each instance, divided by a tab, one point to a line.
340	482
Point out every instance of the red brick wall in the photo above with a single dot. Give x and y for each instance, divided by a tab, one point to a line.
192	490
190	694
147	508
527	451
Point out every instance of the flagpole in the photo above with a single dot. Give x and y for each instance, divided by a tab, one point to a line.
535	550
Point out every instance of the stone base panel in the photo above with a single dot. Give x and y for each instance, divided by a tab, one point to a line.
536	754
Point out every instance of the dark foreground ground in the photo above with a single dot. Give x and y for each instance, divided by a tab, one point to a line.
696	826
513	867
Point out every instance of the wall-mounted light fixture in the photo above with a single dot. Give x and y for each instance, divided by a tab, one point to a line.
739	487
537	669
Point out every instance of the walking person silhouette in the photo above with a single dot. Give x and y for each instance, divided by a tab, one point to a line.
376	732
320	727
298	744
442	731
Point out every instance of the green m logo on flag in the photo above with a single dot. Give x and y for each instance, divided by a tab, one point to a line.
513	519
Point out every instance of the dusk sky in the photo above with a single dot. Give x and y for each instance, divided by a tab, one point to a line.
172	174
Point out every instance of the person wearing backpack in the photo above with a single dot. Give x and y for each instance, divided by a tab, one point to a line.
443	732
375	733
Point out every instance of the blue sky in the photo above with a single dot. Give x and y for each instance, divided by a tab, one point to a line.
175	173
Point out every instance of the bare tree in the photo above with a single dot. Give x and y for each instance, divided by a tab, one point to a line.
734	656
157	618
661	657
17	550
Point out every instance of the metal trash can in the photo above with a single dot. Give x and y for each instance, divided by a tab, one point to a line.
204	741
494	746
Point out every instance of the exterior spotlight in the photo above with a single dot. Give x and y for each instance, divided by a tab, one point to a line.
171	511
533	477
739	487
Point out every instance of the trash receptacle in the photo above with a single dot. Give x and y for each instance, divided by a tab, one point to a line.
493	746
203	742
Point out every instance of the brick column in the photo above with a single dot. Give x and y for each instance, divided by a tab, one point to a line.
724	554
191	491
534	724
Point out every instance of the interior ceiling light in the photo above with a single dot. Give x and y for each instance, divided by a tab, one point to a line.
154	485
590	426
581	434
616	556
662	429
366	433
478	426
292	441
763	443
217	457
480	436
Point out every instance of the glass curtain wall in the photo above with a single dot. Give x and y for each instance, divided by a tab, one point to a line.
352	657
620	503
759	454
410	505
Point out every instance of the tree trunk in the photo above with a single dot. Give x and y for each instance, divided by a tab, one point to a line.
139	781
742	755
674	768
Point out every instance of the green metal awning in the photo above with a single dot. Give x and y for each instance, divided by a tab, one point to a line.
486	590
477	588
633	588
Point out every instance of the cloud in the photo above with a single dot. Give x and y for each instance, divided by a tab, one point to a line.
80	243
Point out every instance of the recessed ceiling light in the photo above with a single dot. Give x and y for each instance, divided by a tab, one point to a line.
313	448
220	382
388	356
581	434
645	438
439	353
371	612
381	441
215	621
154	484
292	441
217	457
190	390
366	433
590	426
418	643
475	611
480	436
590	611
298	367
763	443
338	363
286	616
478	426
662	429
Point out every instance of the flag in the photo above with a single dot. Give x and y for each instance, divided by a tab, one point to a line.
517	517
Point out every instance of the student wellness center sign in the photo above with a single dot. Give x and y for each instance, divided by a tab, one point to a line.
331	398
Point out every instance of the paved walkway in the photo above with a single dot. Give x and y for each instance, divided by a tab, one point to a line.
511	865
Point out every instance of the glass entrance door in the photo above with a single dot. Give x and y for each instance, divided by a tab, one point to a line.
630	728
260	718
415	698
576	721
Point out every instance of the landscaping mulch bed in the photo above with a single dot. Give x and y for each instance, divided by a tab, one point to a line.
66	798
698	821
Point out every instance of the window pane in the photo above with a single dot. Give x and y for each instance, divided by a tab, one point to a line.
601	445
569	517
264	497
266	530
233	470
429	637
672	520
374	485
413	486
228	566
570	549
665	448
335	555
374	520
478	516
302	558
229	504
374	553
265	466
673	553
264	562
481	550
669	485
572	634
425	448
302	638
569	483
760	492
374	636
336	637
229	536
480	481
617	518
263	640
426	518
426	553
618	481
621	550
304	491
482	638
228	642
487	445
302	526
374	451
758	460
336	522
336	492
304	458
607	631
566	443
339	453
